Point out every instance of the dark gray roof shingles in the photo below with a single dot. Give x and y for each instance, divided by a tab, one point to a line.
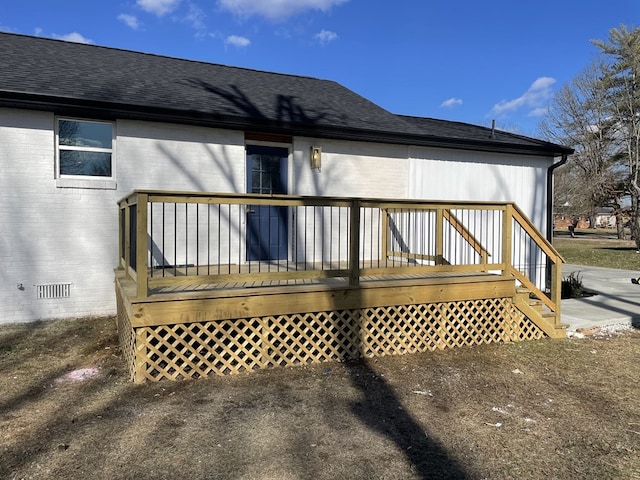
67	73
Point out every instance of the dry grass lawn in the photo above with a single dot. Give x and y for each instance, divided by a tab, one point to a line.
598	248
547	409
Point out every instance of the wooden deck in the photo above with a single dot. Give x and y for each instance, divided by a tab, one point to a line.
226	318
237	328
404	288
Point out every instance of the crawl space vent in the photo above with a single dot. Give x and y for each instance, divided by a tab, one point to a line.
53	290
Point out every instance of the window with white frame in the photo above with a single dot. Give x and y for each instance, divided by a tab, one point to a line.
85	148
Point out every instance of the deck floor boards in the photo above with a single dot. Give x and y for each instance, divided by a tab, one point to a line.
287	266
328	282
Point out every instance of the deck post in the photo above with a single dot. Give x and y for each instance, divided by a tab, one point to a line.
556	288
507	239
127	239
354	243
142	258
130	207
440	236
121	232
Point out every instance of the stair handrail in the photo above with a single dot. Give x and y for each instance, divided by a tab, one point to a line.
555	260
466	235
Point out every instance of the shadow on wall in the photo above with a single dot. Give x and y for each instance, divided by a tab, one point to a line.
219	167
233	102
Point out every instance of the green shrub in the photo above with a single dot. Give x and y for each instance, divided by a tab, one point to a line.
572	286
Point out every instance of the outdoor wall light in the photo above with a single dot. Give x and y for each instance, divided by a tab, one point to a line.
316	158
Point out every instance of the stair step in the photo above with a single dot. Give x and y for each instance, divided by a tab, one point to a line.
539	313
536	304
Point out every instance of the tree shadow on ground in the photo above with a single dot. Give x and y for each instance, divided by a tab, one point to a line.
381	410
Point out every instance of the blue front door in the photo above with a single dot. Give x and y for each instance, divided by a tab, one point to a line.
267	225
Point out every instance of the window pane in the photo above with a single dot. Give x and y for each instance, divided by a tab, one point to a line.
266	181
255	180
95	164
274	164
85	134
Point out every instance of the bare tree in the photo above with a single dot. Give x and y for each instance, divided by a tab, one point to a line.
621	81
579	117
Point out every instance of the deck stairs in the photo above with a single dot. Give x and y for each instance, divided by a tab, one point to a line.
540	314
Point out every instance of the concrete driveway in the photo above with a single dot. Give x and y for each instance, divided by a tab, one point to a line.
617	300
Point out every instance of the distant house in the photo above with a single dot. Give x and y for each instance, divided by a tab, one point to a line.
82	126
605	218
564	221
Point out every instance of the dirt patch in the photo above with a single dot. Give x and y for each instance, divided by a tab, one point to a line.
540	409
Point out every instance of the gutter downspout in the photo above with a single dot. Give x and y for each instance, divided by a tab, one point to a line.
550	171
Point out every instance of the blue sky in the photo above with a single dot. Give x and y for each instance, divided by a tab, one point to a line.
469	61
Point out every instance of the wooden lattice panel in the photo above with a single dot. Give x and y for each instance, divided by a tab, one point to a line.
126	336
240	345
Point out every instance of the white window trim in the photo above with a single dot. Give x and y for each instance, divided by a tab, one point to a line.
85	181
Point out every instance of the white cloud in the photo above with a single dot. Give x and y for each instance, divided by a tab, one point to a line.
196	17
275	9
538	112
158	7
237	41
538	94
73	37
326	36
451	103
130	21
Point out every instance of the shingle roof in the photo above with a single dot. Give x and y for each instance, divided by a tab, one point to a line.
73	78
474	134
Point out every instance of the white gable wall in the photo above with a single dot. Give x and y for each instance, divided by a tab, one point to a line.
441	174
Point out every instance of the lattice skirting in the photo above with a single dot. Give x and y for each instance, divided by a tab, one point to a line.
127	337
239	345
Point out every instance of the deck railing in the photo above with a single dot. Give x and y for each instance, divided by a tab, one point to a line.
178	239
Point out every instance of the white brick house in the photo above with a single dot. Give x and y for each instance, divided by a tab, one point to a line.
185	126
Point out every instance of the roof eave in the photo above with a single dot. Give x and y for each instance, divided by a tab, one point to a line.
108	110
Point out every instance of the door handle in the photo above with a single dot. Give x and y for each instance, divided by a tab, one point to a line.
250	210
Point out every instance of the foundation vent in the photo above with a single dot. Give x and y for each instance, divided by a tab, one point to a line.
53	290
